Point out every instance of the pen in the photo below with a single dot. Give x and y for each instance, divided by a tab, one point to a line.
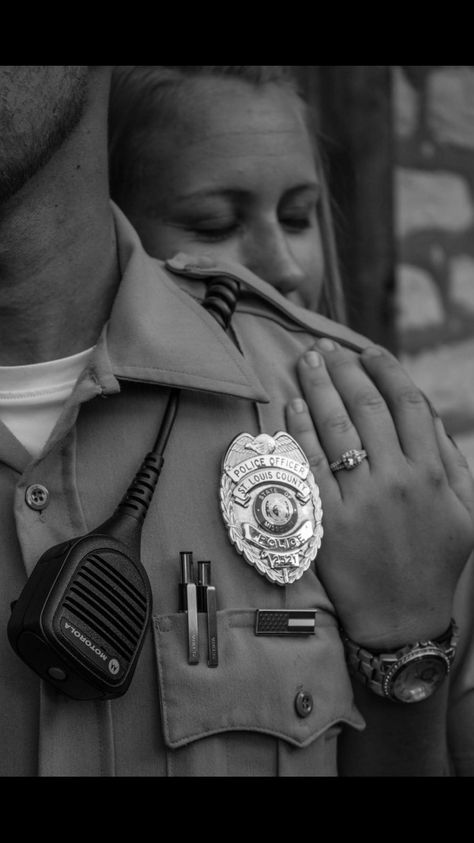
207	602
188	604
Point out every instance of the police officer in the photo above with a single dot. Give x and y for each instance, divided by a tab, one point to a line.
268	692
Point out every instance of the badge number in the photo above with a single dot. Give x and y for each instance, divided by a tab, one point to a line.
271	505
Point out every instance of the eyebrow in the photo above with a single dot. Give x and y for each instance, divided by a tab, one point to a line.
211	193
308	187
235	193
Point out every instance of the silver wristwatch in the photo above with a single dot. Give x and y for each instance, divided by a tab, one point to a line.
411	674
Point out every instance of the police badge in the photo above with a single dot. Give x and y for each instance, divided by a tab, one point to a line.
271	505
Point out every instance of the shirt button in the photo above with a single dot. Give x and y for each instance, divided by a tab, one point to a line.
37	496
304	704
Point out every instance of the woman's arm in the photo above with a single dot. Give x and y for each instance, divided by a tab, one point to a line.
398	530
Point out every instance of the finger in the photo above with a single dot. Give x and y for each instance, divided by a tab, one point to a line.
183	259
300	425
456	467
410	410
333	423
364	404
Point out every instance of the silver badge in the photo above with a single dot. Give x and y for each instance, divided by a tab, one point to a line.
271	505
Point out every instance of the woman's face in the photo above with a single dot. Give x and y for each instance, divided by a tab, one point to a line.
233	176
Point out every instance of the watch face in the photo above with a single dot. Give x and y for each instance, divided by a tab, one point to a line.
417	677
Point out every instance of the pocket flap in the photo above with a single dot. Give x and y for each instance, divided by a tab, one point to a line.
257	682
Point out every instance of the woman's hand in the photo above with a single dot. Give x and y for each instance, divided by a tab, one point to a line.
399	527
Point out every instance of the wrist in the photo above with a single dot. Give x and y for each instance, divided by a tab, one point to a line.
407	674
382	637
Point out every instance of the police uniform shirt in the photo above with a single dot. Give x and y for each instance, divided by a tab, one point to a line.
177	719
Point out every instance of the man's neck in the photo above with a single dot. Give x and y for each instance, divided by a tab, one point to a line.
58	259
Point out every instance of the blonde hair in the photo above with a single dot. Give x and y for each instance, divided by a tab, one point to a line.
143	96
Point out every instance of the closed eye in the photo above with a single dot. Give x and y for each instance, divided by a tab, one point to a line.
297	223
213	233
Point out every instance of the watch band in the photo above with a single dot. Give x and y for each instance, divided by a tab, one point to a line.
373	669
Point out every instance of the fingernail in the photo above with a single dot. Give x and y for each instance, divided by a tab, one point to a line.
313	359
373	351
326	344
178	261
298	405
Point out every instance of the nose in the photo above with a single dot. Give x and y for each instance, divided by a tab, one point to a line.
272	259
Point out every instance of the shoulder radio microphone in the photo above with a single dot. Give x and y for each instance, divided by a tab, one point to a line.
81	619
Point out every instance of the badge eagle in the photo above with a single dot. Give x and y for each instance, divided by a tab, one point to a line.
271	505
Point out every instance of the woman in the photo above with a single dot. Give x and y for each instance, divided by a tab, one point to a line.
219	163
270	211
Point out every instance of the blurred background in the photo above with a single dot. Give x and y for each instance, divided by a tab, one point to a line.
398	144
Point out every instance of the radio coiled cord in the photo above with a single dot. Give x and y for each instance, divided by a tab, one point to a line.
220	301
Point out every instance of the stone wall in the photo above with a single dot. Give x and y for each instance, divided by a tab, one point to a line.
434	189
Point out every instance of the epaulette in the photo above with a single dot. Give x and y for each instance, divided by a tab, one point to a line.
266	301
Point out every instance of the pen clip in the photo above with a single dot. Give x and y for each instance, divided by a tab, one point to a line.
188	604
212	649
193	629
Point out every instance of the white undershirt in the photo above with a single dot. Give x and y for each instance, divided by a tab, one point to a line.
32	397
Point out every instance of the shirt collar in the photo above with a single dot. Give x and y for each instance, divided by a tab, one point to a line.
158	334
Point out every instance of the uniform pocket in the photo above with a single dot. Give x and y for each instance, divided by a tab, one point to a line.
292	688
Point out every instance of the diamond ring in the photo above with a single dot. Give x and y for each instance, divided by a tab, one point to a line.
349	460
